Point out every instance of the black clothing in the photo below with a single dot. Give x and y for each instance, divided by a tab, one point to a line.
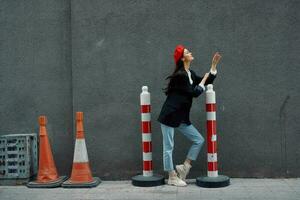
177	106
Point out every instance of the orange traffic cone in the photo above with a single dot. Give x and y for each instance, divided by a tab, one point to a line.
47	174
81	173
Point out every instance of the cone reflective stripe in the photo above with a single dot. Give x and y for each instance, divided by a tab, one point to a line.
211	125
80	153
213	179
148	178
47	176
146	132
81	175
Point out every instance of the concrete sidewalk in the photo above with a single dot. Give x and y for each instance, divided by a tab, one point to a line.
240	188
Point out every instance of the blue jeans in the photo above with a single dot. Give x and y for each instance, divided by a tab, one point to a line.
168	143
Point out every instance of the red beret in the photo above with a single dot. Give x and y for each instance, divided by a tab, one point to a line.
178	53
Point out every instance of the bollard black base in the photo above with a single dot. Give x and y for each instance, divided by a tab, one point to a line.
148	181
213	182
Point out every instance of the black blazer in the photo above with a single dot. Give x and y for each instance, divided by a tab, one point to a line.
177	106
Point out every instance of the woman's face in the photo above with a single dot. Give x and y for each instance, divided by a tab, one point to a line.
187	55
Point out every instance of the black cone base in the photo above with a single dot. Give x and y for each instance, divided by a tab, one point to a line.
52	184
68	184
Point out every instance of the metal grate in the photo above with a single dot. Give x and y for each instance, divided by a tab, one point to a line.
18	156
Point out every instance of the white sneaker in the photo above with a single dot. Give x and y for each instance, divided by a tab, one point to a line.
183	170
175	180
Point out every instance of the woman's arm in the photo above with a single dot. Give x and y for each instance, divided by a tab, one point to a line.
210	79
181	84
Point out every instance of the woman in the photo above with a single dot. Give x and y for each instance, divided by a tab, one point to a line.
183	86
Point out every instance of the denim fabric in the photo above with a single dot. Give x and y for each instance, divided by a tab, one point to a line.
168	143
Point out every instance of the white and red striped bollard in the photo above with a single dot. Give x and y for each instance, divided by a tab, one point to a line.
211	127
146	131
148	178
213	179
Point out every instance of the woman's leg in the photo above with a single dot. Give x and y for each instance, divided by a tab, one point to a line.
168	145
193	135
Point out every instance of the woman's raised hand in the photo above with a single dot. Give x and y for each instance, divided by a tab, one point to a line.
216	59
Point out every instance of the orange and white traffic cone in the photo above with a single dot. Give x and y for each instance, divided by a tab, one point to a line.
47	174
81	175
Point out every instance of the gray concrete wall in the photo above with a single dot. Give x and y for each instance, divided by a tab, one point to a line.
35	72
94	56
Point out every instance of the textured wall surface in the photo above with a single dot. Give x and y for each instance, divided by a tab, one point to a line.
59	57
35	72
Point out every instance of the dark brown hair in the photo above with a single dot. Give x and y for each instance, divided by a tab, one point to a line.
179	65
